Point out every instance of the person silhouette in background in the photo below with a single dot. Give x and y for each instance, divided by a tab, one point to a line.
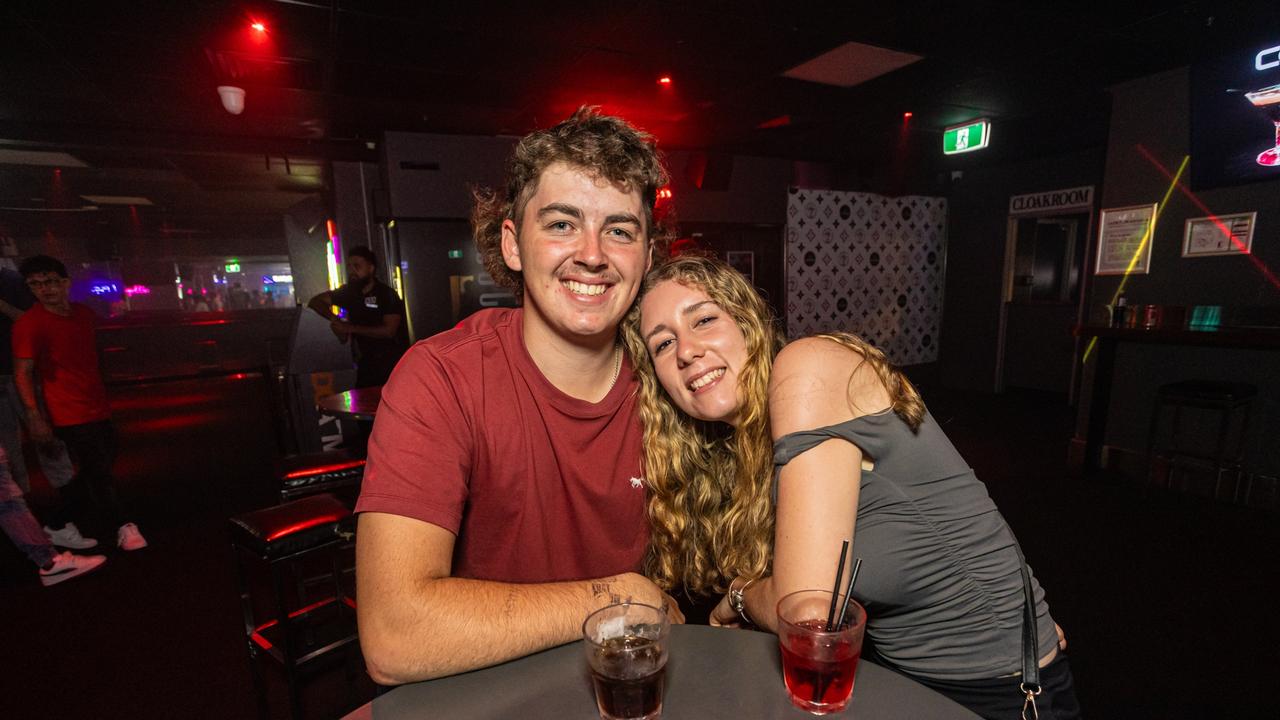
53	345
373	314
16	299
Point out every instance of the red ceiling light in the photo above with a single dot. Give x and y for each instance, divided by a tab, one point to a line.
906	116
258	26
664	80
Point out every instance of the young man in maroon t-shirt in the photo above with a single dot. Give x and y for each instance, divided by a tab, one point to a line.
54	340
503	500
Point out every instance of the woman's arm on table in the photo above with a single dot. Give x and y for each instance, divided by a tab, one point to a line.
815	383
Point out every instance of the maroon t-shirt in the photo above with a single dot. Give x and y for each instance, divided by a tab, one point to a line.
66	359
537	485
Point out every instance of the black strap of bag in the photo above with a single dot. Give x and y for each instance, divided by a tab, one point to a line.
1030	685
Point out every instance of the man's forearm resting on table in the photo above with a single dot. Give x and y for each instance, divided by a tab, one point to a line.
417	622
458	624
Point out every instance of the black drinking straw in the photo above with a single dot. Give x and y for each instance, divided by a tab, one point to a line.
848	593
820	687
835	590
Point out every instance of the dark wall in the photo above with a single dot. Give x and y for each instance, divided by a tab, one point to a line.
354	186
1150	136
428	176
735	189
977	230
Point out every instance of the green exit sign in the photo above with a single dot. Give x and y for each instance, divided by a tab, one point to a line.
455	254
232	267
966	138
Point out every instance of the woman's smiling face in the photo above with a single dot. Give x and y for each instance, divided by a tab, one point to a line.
697	348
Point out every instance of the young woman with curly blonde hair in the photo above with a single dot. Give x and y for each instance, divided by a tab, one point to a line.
843	441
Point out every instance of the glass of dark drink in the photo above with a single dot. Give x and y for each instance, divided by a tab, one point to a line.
626	647
818	663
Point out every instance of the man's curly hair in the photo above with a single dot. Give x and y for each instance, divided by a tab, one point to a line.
608	147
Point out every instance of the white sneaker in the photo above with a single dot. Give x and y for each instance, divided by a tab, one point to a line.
66	566
128	537
69	537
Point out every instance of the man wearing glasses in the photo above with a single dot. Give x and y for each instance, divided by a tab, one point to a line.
54	340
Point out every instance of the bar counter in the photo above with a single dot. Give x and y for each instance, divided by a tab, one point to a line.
1109	338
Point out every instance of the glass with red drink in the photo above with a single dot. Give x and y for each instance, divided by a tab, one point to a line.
626	647
818	664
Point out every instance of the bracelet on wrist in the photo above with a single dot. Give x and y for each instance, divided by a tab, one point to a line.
738	599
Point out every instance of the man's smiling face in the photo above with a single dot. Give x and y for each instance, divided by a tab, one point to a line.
582	249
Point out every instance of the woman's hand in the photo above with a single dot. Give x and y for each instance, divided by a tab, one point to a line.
724	616
1062	637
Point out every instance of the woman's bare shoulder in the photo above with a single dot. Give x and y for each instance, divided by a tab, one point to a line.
818	382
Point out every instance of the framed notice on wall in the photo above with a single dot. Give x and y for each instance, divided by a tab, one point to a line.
1220	235
1124	242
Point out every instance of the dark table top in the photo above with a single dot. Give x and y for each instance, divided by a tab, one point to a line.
360	403
712	672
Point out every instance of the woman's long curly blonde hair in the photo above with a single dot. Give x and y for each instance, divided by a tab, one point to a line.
710	512
710	505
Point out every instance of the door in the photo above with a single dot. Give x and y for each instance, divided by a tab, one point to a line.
1043	269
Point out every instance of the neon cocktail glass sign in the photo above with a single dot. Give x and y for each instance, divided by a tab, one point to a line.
1268	100
1267	59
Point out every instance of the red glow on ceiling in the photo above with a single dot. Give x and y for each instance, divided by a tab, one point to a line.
684	246
780	121
664	80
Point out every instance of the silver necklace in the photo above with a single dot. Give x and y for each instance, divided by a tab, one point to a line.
617	365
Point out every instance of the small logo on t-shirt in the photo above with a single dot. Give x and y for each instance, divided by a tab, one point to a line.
371	301
637	482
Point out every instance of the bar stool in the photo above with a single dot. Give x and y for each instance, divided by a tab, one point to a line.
1221	398
338	471
303	628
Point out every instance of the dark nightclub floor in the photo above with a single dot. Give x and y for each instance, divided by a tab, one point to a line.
1168	602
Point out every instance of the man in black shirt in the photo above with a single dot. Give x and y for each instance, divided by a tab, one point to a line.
372	313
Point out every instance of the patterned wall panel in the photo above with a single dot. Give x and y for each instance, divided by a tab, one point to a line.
867	264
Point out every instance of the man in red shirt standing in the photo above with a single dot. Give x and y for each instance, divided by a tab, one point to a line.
503	500
54	340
